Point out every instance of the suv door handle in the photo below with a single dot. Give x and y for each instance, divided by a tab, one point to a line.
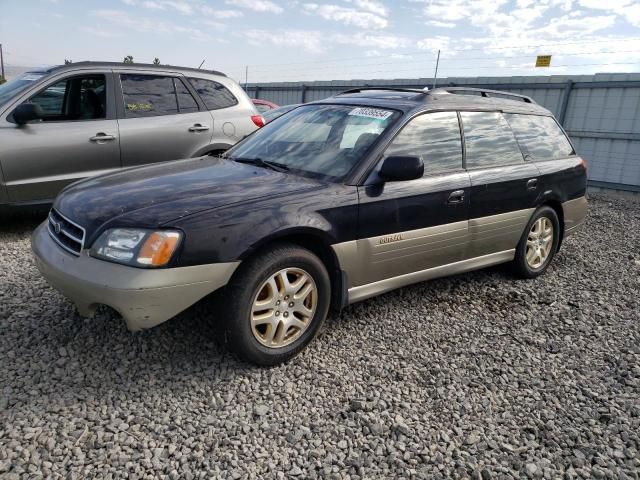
198	127
532	184
456	197
100	137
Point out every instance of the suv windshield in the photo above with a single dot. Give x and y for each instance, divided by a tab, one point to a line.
13	87
324	141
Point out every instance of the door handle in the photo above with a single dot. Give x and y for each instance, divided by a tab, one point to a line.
99	137
532	184
456	197
198	128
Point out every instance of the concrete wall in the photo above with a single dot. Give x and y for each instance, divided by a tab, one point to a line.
601	113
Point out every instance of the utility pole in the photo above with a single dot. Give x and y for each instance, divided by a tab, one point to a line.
435	76
246	78
2	63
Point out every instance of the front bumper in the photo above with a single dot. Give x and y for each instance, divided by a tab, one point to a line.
144	298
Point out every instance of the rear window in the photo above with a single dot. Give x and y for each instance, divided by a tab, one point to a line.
540	137
213	94
148	95
489	140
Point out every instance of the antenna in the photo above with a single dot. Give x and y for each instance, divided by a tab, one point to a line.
201	63
435	76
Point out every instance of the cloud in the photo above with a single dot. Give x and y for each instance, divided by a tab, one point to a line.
628	9
437	23
256	5
372	6
222	14
347	15
99	32
435	43
142	24
370	40
311	41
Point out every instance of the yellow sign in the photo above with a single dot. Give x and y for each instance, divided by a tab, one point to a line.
543	61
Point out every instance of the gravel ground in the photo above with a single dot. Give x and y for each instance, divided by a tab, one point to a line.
475	376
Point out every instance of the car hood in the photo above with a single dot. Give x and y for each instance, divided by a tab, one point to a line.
154	195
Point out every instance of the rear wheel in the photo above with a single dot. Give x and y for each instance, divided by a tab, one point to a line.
276	303
539	243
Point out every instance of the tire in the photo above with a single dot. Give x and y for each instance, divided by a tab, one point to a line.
541	253
263	290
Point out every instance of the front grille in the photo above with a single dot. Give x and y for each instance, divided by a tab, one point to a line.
67	234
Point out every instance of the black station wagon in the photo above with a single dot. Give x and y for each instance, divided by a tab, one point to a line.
335	202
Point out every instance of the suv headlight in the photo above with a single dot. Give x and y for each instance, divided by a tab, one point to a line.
137	247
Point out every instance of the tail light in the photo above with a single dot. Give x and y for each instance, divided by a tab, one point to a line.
258	120
583	164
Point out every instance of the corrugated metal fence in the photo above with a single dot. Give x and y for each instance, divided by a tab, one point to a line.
601	113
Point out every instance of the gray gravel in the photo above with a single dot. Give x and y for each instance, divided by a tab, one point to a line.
476	376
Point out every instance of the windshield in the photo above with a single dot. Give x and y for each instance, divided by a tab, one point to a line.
324	141
13	87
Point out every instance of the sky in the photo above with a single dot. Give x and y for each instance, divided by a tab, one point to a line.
293	40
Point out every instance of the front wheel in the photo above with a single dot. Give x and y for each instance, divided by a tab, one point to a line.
276	304
539	243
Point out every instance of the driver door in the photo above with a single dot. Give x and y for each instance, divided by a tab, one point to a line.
411	226
76	138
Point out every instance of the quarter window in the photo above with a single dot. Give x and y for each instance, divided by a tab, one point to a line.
213	94
435	137
76	98
148	95
540	137
489	141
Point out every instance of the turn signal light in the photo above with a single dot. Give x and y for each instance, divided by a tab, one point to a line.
258	120
158	248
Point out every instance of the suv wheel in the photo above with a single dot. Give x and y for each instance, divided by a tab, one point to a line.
276	304
538	244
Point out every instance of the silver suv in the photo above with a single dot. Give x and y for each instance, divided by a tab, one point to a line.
73	121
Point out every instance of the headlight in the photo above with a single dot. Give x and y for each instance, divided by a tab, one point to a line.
137	247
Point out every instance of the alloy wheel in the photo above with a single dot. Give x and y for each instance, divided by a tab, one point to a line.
539	242
283	307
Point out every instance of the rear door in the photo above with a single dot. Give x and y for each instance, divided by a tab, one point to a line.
543	142
504	187
160	119
78	137
415	225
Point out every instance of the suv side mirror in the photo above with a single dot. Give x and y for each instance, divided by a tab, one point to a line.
26	112
401	168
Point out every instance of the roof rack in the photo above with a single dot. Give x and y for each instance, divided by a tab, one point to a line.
389	89
483	92
88	63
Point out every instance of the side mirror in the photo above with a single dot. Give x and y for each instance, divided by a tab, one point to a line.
26	112
396	169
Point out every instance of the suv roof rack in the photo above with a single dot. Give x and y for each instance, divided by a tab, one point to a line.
389	89
484	92
89	63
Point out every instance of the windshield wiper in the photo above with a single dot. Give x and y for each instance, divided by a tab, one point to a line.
278	167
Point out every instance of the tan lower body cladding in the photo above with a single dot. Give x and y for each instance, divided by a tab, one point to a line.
379	264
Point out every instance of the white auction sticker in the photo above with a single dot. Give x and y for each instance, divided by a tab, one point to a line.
371	113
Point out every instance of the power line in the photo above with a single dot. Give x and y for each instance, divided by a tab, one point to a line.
494	67
432	52
443	58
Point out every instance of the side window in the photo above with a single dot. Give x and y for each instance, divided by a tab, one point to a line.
186	102
540	137
75	98
489	140
148	95
435	137
213	94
